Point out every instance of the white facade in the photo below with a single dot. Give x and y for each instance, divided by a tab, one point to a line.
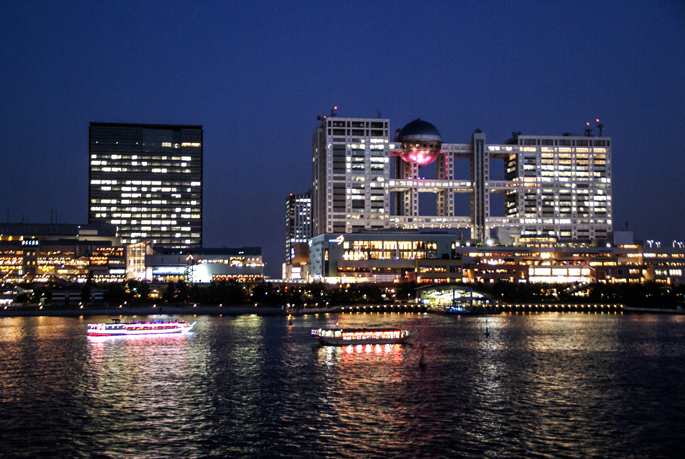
351	168
554	186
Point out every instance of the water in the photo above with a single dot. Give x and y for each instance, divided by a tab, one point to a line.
540	385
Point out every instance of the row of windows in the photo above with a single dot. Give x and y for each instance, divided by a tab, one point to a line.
139	170
347	123
566	142
183	183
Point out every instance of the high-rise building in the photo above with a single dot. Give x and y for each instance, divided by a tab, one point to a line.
351	167
147	180
554	187
298	226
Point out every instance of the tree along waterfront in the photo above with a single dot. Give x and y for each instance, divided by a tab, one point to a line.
650	295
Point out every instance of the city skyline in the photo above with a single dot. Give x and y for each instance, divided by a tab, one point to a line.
256	77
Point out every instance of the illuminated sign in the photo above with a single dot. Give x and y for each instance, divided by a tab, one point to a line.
338	240
30	243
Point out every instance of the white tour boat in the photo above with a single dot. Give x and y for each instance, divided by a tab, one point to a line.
116	328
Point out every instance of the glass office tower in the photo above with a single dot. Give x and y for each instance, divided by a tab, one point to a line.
147	180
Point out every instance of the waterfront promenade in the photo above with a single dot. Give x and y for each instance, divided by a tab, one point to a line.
34	311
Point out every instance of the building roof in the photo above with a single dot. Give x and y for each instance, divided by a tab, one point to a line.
57	229
419	130
148	126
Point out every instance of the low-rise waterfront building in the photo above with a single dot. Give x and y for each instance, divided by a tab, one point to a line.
441	257
202	265
374	256
71	252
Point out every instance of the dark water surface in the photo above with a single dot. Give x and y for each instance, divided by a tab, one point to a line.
541	385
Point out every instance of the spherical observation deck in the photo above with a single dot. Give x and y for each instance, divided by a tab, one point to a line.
421	142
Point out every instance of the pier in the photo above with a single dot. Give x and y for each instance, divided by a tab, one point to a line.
380	307
501	307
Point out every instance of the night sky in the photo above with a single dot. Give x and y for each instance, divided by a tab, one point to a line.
257	74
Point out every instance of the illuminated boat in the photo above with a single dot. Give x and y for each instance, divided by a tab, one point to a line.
116	328
353	336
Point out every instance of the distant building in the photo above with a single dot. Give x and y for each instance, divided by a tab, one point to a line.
147	180
298	224
350	175
555	187
298	228
71	252
398	256
204	265
379	256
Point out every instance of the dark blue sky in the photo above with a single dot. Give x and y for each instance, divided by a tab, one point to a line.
256	75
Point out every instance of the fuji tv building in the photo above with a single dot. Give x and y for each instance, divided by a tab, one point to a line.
555	190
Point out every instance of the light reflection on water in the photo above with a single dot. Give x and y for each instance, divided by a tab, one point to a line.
549	384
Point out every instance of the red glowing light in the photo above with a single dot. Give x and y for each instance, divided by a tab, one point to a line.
597	120
587	124
420	157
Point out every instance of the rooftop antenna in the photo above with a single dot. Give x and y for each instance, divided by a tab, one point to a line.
600	126
334	111
588	130
379	114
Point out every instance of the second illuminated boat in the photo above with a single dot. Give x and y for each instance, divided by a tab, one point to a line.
354	336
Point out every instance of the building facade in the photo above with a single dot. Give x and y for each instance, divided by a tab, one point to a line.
60	251
147	180
194	266
351	167
298	227
441	257
375	256
553	186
